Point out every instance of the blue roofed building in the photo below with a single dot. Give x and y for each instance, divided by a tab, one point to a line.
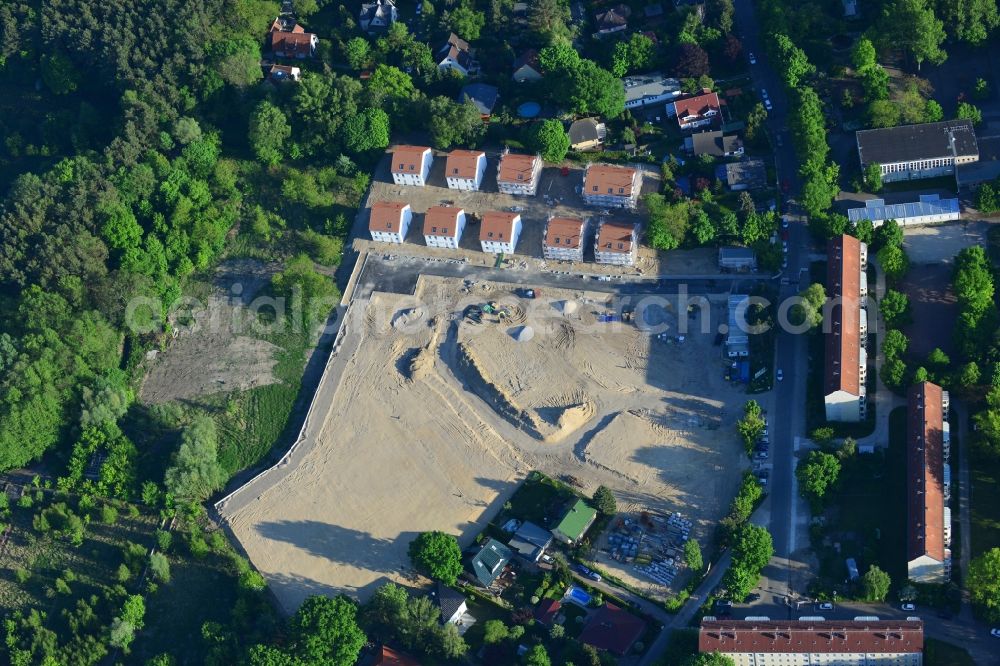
489	563
483	95
930	209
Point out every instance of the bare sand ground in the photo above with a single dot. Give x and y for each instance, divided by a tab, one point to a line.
436	420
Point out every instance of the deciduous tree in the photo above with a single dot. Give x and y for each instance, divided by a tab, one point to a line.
438	555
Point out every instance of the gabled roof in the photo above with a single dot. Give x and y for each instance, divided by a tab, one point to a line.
449	600
950	138
463	164
563	232
390	657
576	520
515	168
530	539
489	562
381	9
607	177
529	58
797	636
615	237
483	95
546	611
613	17
290	42
612	629
925	472
497	226
441	221
408	159
843	342
387	216
457	49
697	106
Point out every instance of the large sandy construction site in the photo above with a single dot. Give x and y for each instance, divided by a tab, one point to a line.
437	417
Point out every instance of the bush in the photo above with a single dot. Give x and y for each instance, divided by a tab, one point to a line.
164	540
160	567
109	514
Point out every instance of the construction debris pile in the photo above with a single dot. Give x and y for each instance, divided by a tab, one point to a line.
654	544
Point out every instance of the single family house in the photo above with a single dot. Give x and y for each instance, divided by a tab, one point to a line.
587	134
698	111
377	16
444	226
464	169
499	232
411	165
519	174
292	43
456	55
578	519
389	221
526	67
488	564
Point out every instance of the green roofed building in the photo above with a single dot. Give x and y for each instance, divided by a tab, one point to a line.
489	562
575	523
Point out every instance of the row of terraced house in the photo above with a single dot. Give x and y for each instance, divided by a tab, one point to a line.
564	238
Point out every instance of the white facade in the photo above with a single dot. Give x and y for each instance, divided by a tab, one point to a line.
519	181
390	236
468	184
402	174
845	407
932	168
503	246
450	240
930	209
925	569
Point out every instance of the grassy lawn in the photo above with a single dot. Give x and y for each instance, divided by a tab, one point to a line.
573	625
985	509
865	516
939	653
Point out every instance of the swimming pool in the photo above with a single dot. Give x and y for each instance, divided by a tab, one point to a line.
578	596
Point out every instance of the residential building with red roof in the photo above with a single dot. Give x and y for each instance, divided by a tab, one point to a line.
292	43
500	232
526	67
444	226
846	362
411	165
464	169
547	611
613	629
928	516
390	657
563	238
803	643
698	111
519	174
616	243
611	186
389	221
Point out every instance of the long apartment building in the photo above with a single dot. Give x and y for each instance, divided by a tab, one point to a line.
611	186
927	150
847	333
814	643
928	520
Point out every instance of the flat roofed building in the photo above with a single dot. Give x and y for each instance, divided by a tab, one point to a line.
928	529
499	232
616	243
444	226
563	239
930	209
927	150
737	334
411	165
611	186
519	174
647	89
464	169
530	541
737	259
389	221
812	643
846	358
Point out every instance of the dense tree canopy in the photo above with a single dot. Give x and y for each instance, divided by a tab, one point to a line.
437	554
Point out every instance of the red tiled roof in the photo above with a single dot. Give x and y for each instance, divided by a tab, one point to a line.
390	657
612	629
608	179
794	636
497	226
615	237
408	159
290	42
925	472
441	221
386	216
546	611
843	342
564	232
516	168
696	106
463	164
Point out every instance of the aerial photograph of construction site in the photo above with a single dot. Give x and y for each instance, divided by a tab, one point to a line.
449	397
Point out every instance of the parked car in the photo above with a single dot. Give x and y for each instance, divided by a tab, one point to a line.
824	606
594	576
780	375
753	596
784	221
582	569
995	633
909	607
784	262
753	59
762	477
760	455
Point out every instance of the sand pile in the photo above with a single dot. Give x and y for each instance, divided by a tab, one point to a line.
522	333
407	318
